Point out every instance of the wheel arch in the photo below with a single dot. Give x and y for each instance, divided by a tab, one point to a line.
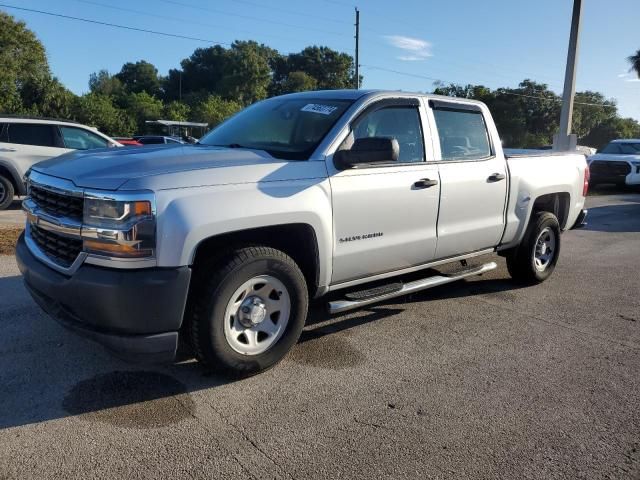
558	203
7	171
298	240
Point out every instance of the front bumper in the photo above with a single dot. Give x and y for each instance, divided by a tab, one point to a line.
136	314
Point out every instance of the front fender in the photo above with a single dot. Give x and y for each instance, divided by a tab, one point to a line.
189	216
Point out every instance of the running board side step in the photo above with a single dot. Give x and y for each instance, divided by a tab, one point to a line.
340	306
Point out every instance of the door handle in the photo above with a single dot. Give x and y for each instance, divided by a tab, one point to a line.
425	183
496	177
7	149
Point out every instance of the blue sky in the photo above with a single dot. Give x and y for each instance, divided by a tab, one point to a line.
490	42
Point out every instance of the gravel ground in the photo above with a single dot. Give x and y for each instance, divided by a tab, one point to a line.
480	379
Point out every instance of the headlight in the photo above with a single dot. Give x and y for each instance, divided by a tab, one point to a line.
119	227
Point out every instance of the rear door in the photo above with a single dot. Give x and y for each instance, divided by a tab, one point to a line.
473	179
385	215
30	143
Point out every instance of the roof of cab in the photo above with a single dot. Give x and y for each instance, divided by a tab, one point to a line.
350	94
626	140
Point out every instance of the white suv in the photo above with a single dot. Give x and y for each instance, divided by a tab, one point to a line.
27	141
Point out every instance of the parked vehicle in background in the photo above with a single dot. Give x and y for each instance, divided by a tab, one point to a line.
225	242
127	141
156	139
27	141
617	163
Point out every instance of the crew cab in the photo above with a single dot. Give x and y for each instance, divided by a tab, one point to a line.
618	163
223	243
25	141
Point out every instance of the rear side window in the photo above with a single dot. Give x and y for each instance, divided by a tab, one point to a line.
3	132
81	139
463	134
32	134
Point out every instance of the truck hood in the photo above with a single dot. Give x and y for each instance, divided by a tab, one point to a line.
169	166
607	157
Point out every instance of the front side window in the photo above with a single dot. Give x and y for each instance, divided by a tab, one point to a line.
32	134
622	148
401	123
80	139
463	134
287	128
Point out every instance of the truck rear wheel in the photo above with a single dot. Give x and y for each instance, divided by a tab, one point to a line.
6	192
534	260
248	310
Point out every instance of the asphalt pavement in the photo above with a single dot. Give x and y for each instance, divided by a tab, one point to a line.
479	379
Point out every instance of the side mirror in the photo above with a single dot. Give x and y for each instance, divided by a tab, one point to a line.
368	151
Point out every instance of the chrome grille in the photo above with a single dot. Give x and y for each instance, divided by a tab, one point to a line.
59	248
57	204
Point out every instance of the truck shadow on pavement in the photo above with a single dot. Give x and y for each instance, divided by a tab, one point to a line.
48	373
621	218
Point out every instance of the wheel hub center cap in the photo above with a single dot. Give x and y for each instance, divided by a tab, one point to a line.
253	311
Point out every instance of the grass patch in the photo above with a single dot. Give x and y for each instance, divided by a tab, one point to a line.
8	239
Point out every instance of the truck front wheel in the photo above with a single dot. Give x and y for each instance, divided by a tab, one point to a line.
534	260
248	310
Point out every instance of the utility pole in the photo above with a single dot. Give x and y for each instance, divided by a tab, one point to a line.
357	48
564	141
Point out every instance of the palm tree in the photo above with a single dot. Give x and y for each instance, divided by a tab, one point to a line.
634	60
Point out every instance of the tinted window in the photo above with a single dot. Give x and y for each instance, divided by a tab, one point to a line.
3	132
401	123
463	134
620	148
32	134
289	128
81	139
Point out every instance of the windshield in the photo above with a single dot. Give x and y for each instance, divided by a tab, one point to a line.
285	128
622	148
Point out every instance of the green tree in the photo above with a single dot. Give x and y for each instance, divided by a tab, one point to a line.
610	129
591	109
142	107
104	83
634	60
99	111
241	73
214	110
330	69
299	82
177	111
23	64
140	77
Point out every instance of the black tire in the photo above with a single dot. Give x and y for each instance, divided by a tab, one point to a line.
213	289
6	193
521	262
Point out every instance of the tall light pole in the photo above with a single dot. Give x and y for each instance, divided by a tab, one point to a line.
564	140
357	37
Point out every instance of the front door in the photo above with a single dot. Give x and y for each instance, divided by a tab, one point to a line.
385	216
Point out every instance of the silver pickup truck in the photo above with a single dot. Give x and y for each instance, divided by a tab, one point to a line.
224	242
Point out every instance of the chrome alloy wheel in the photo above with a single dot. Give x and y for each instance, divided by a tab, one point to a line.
545	249
3	193
257	315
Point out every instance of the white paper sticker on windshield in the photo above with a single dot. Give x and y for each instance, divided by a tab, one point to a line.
317	108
